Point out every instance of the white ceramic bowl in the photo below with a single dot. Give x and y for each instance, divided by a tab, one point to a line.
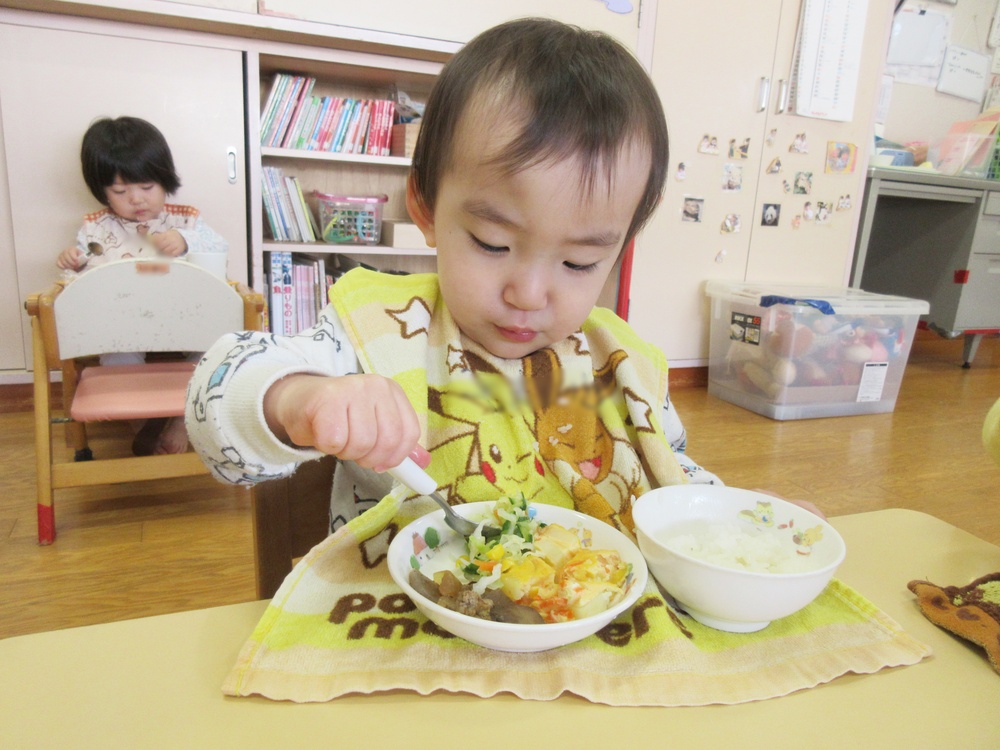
727	598
502	636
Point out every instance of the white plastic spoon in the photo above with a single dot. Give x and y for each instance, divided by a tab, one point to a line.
418	480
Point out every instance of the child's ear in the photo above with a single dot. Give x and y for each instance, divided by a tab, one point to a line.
418	212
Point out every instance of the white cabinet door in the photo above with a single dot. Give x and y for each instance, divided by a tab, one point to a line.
711	66
54	82
719	68
460	20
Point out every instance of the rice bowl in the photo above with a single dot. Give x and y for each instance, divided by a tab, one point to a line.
734	559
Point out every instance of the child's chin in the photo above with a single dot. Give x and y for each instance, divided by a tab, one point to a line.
513	350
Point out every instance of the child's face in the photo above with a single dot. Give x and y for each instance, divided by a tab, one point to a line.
141	201
523	258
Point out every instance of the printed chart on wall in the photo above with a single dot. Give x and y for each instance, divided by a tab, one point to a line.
827	59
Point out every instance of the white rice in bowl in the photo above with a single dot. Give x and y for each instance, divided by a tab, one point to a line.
731	545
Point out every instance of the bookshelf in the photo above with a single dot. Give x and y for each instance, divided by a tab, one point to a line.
337	74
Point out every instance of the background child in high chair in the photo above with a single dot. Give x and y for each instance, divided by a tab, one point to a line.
542	152
128	167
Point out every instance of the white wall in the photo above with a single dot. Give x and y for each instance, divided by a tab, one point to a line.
920	113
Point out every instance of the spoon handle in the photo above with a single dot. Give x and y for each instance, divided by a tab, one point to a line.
413	477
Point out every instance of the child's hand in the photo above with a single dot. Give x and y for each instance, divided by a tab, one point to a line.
362	418
71	259
170	243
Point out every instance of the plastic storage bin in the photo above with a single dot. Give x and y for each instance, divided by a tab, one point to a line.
351	220
798	352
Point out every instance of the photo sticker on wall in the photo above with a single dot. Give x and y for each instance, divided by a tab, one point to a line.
841	157
692	208
732	176
709	144
770	214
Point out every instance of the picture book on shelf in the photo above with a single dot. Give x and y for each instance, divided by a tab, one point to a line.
289	312
299	115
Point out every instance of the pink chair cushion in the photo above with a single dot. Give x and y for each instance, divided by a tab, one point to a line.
131	391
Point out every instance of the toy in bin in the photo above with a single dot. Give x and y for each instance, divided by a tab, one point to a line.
794	352
351	220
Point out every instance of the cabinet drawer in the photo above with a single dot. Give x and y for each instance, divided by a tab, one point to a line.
987	235
992	205
979	306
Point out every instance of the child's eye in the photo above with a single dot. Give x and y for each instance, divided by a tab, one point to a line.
150	186
580	268
488	248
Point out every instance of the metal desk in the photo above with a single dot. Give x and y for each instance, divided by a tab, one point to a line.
937	238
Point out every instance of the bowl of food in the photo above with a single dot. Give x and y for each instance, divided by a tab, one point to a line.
735	559
553	577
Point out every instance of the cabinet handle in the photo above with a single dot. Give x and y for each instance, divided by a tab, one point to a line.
231	165
763	93
782	96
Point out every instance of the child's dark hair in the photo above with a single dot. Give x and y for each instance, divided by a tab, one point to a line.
585	95
126	147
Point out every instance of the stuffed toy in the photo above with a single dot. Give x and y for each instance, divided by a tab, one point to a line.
972	612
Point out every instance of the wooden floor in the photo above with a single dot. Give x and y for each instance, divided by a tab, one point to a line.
138	550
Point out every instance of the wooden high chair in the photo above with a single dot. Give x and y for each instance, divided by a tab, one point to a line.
133	305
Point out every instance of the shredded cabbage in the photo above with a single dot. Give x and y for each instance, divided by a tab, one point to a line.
482	566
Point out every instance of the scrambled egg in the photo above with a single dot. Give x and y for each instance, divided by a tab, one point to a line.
563	580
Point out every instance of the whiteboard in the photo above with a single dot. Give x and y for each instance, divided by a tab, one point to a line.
918	38
965	73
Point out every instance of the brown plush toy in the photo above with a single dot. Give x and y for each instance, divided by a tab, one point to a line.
972	612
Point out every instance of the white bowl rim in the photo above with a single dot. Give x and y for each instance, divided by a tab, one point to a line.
763	575
640	571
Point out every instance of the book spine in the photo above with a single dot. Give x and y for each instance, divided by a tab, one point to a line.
267	111
289	210
305	128
288	104
293	199
345	118
299	294
269	208
289	322
277	299
278	228
267	118
374	122
301	106
265	313
295	128
311	231
331	125
361	128
309	287
384	128
324	107
390	115
352	125
364	120
285	216
320	285
324	126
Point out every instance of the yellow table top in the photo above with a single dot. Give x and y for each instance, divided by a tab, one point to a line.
154	682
